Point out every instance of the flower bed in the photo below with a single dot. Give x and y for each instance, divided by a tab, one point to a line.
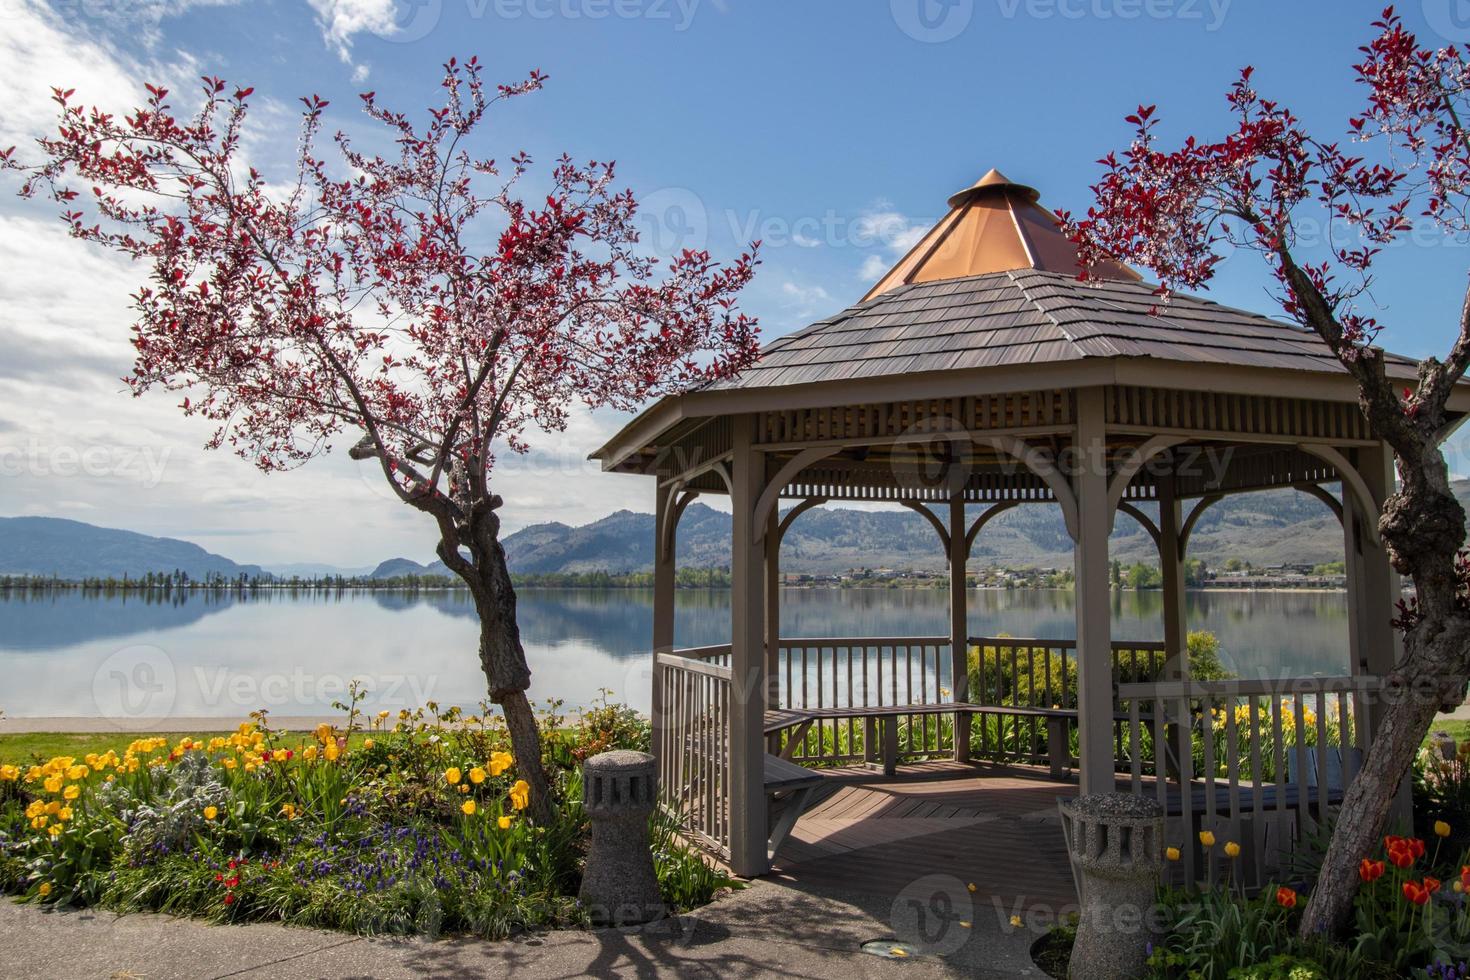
408	824
1411	915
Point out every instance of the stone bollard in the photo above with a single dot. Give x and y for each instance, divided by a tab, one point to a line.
1117	848
1444	743
619	791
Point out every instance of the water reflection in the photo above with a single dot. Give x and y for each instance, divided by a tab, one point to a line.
214	654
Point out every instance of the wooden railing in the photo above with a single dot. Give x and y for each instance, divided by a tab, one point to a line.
693	733
1039	673
1257	763
865	673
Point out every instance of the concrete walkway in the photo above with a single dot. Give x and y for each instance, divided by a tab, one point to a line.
763	930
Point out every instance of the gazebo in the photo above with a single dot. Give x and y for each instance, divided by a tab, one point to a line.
978	375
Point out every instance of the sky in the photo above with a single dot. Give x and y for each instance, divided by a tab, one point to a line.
831	130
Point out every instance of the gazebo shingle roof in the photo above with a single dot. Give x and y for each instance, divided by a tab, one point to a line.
994	284
1028	316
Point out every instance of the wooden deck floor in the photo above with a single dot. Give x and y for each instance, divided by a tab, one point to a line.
993	826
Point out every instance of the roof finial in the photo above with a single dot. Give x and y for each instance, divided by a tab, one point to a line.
993	183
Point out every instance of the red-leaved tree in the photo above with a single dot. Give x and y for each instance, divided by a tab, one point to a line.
411	301
1176	210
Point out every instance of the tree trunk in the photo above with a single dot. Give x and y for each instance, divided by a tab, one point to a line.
1423	527
1365	809
503	659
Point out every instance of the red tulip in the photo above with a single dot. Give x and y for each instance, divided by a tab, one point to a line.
1285	897
1373	870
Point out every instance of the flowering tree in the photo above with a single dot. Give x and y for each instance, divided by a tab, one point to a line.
413	301
1174	210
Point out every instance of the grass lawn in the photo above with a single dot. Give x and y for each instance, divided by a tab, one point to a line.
1458	730
41	746
34	746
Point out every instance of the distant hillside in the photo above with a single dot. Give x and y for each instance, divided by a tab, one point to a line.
405	567
1267	528
73	550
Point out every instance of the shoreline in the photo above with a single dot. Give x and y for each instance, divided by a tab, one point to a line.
928	585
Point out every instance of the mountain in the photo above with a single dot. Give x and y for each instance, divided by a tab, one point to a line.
71	549
405	567
1270	527
314	569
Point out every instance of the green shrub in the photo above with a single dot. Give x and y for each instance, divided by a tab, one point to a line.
413	825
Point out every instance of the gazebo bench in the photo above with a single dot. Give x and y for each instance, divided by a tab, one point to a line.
792	784
1058	751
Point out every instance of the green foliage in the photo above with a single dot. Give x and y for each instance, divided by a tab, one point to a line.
1442	781
1204	657
1141	576
1217	934
380	825
1283	967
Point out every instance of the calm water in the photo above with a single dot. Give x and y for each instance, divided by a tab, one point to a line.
213	655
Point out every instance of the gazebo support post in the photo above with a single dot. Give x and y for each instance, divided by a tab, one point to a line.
1373	590
1171	567
959	624
1093	601
663	614
748	856
773	614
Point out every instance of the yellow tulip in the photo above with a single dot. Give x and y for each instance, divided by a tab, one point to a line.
452	775
520	794
1172	853
45	889
1206	839
504	824
468	808
64	814
210	812
368	743
72	792
1441	829
477	775
331	752
1232	849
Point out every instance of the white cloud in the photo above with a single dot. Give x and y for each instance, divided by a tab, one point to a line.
873	267
73	441
806	300
889	234
341	20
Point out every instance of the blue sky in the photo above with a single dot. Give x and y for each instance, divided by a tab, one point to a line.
832	129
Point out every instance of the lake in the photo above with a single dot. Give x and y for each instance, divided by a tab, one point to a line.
209	654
